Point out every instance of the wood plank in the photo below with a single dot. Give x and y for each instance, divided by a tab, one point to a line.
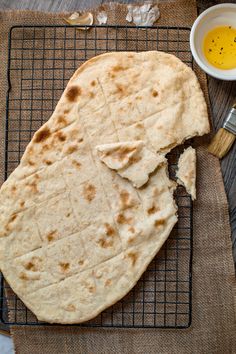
222	96
49	5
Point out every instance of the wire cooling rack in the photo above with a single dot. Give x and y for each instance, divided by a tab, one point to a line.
41	61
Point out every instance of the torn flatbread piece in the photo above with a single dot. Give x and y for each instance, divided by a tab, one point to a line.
186	173
131	159
119	155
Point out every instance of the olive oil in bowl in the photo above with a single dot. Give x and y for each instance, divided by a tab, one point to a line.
219	47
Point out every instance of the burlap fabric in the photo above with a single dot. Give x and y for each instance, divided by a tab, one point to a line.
213	323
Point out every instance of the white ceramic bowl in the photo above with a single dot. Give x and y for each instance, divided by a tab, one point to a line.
215	16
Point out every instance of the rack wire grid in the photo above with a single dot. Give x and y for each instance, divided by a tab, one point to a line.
41	61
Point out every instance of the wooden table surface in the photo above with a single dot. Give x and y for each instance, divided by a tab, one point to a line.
222	94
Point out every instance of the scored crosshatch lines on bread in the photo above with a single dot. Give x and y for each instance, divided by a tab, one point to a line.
161	38
57	84
116	199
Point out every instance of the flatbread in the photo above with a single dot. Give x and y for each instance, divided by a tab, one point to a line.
120	155
186	173
75	237
131	159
